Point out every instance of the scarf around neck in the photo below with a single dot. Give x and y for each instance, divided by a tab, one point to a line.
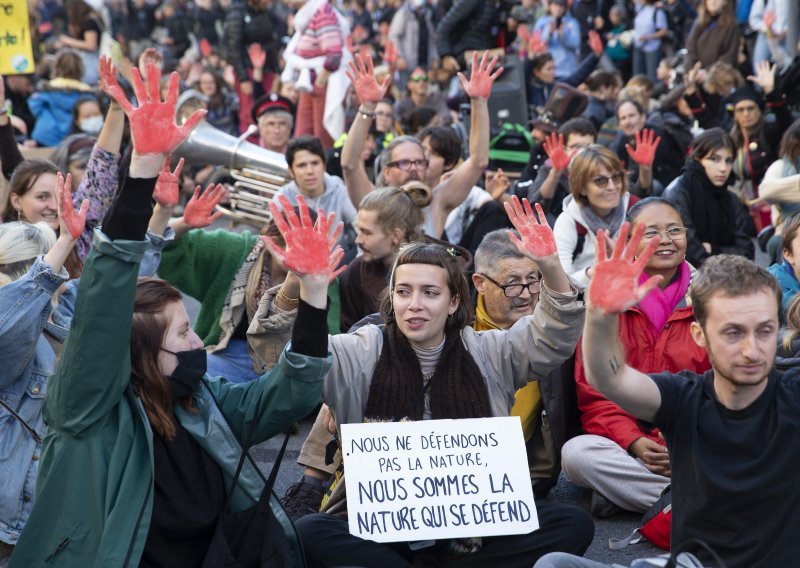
710	206
611	222
659	304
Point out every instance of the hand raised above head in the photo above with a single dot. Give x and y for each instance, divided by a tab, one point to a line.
167	190
554	147
72	223
153	127
615	283
362	75
481	77
199	212
308	247
258	57
537	240
646	146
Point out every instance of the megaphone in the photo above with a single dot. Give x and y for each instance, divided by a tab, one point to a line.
258	173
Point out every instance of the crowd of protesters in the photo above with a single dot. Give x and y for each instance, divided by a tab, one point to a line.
600	284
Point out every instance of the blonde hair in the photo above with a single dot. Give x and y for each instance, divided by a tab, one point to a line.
399	208
20	244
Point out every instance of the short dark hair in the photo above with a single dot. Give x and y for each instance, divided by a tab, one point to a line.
601	78
730	276
444	141
634	102
541	59
643	204
307	143
578	125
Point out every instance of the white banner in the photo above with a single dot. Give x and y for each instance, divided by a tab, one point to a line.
437	479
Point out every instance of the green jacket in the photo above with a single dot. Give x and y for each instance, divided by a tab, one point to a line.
203	265
95	487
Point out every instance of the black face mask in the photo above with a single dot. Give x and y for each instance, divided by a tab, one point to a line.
186	376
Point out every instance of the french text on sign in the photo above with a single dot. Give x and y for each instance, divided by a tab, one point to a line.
437	479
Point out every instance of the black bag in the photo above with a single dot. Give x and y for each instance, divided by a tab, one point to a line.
253	538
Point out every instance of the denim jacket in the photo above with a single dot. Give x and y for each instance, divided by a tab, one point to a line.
28	359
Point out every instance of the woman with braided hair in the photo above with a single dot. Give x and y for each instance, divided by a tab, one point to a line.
379	372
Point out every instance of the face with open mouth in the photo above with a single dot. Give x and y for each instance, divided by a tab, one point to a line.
422	301
664	223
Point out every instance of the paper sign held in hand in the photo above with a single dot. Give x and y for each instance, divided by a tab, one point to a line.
437	479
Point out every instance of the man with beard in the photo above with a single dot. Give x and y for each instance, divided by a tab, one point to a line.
732	432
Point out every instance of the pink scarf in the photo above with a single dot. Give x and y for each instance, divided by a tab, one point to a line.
659	304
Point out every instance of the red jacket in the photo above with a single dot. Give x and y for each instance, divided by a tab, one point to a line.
673	350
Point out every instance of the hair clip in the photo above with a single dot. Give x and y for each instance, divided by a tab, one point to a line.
452	252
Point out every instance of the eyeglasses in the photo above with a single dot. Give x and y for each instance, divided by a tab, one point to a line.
673	233
514	290
418	78
407	165
602	181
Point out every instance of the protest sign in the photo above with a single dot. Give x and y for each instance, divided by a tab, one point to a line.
437	479
16	53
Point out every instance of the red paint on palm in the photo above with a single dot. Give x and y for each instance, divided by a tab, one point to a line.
595	43
481	76
615	284
307	246
258	57
167	190
390	53
535	43
646	146
536	236
73	221
199	212
362	75
554	147
153	127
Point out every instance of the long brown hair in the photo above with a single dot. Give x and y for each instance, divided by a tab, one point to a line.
790	143
22	181
726	17
148	329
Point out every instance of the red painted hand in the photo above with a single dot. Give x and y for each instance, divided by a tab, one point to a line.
258	57
595	43
72	222
537	237
168	184
153	127
615	284
481	78
308	248
554	146
646	146
390	53
535	43
108	74
362	75
199	211
769	18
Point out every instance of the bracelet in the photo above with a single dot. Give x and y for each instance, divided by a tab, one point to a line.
365	114
286	299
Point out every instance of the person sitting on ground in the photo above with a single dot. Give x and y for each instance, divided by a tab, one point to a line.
732	432
418	95
788	356
656	336
427	283
598	199
131	413
787	270
780	186
715	217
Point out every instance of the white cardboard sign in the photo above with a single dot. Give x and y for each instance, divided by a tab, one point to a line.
437	479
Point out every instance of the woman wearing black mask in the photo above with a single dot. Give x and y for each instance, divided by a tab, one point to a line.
142	446
716	220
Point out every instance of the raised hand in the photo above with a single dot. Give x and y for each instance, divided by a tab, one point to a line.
199	212
769	20
764	77
362	75
615	283
595	43
390	53
107	73
307	247
481	78
497	184
536	44
554	147
153	127
646	145
258	57
167	190
72	223
537	237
